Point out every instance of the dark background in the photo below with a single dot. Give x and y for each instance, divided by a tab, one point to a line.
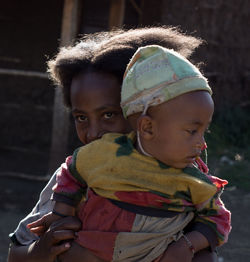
30	35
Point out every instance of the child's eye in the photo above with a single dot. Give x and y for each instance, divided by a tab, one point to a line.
80	118
191	131
108	115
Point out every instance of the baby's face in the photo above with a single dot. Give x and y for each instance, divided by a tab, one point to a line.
180	125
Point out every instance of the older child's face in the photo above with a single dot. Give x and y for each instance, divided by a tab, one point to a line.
180	127
95	100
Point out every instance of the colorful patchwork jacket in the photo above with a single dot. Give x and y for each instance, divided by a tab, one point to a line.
113	169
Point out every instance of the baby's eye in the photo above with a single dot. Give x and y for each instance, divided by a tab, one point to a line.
80	118
108	115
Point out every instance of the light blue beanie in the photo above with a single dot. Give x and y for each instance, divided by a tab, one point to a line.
155	75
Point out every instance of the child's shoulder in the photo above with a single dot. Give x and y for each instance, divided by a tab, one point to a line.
108	143
116	138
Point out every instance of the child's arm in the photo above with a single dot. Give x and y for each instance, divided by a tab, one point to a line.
28	253
185	248
219	220
210	228
70	187
75	252
68	192
214	214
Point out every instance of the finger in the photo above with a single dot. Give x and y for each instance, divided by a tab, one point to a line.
38	230
37	223
61	235
68	223
56	250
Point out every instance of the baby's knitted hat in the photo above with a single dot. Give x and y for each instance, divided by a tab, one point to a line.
155	75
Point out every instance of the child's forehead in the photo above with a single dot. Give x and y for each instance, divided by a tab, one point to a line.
185	106
94	90
191	97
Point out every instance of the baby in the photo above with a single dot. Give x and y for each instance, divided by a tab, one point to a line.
144	188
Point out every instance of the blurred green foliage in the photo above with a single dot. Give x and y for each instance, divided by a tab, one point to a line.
229	146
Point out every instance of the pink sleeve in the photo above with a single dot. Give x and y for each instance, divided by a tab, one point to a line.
67	185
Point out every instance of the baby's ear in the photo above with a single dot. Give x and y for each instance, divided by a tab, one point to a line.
145	126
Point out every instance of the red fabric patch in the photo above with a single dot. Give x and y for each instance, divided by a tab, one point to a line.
146	199
101	222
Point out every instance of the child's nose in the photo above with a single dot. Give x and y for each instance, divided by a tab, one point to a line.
94	132
200	143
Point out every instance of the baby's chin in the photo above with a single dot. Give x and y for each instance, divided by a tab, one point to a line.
178	164
181	165
184	164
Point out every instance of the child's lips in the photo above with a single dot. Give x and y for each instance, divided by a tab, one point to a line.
192	158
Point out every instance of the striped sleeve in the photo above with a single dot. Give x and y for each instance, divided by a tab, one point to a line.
215	215
68	188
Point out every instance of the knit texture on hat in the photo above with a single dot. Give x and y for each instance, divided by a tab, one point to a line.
155	75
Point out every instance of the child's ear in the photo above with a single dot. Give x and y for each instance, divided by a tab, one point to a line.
145	126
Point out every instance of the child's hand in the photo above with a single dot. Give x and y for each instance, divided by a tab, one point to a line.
56	240
41	225
177	252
